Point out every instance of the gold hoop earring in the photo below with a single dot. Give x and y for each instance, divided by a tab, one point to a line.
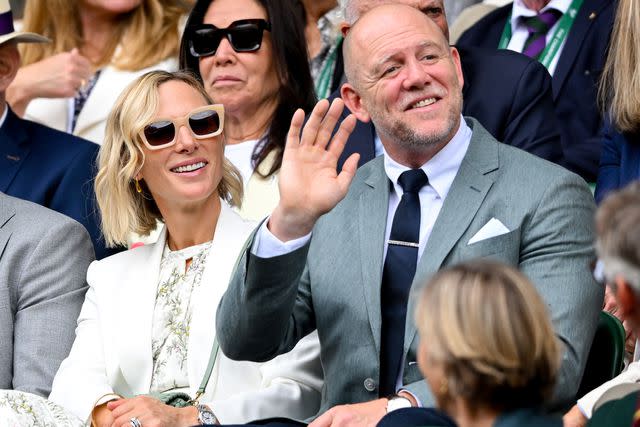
444	387
138	187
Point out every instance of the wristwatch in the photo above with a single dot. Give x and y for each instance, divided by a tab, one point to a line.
206	415
397	402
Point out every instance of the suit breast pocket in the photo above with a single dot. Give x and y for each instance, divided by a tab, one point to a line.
505	248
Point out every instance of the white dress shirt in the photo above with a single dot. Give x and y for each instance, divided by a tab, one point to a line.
3	117
240	155
520	33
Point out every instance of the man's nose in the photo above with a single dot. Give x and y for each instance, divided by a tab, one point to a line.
416	75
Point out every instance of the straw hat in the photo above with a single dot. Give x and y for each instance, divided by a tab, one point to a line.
7	31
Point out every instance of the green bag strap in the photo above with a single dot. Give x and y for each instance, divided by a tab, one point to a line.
216	346
207	373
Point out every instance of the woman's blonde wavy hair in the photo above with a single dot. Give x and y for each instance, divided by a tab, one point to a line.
149	34
619	92
486	327
123	210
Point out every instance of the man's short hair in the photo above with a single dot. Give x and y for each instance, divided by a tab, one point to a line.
618	230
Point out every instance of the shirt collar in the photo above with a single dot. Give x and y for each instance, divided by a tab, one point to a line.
3	117
521	11
442	168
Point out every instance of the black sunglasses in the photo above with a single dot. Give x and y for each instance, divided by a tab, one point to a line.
244	35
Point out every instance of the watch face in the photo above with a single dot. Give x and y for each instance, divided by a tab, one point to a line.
206	416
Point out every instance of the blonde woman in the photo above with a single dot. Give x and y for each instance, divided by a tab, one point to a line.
148	321
620	96
488	350
98	47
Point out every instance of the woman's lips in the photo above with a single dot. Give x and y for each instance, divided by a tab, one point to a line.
225	80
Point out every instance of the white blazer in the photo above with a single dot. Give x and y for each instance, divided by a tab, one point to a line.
92	120
112	349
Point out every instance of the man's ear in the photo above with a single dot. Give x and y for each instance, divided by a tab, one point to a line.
627	300
354	103
455	56
9	64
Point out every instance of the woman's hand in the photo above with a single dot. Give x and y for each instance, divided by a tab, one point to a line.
58	76
151	413
102	416
308	182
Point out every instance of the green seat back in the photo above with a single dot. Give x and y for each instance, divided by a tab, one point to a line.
606	357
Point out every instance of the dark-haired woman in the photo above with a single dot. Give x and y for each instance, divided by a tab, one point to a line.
251	56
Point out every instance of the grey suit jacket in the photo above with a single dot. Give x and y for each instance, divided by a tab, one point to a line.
44	258
333	284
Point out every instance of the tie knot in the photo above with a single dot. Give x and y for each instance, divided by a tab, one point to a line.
542	22
413	180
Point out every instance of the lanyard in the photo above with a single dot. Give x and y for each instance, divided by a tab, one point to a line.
323	85
558	37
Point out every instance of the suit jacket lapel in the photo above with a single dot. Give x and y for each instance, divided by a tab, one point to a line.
372	214
574	40
229	238
465	197
13	149
133	307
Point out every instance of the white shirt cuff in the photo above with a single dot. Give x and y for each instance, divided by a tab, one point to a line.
266	245
586	403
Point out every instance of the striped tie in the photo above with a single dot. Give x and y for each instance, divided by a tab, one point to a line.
538	27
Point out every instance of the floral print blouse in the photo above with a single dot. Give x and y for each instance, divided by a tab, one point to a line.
177	283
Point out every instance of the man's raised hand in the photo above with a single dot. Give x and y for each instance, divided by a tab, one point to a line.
308	182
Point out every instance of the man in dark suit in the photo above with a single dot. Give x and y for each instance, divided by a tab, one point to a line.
445	191
40	164
575	66
509	94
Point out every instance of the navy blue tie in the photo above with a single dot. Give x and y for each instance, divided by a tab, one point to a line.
399	269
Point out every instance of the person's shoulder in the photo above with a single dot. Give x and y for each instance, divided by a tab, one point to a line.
130	256
619	412
33	228
49	139
491	19
479	61
528	418
517	166
32	217
125	261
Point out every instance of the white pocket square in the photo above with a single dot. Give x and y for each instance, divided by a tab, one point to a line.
491	229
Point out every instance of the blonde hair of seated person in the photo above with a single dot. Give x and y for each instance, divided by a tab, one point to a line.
486	332
619	91
148	34
120	158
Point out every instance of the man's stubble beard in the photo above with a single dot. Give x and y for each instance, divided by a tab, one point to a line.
411	140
